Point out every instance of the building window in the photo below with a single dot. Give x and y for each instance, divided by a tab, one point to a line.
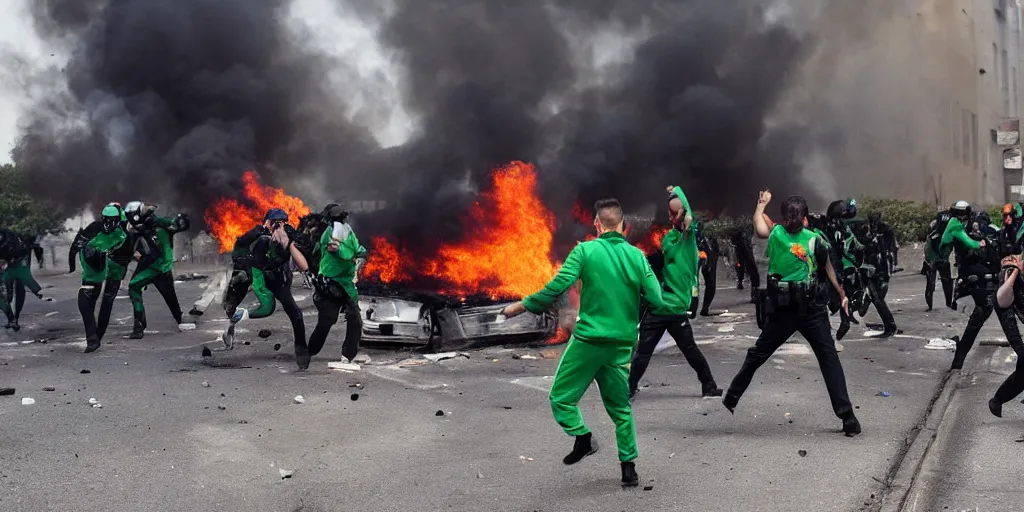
966	136
974	140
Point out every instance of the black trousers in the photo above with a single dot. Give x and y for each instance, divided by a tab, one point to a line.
652	328
745	257
328	309
709	270
280	285
88	294
164	284
236	290
110	289
941	269
1014	384
984	306
814	326
874	294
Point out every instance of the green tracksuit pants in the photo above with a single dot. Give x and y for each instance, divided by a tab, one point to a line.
608	364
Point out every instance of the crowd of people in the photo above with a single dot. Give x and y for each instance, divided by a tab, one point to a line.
819	264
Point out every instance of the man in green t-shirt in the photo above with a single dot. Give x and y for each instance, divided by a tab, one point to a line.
794	301
614	276
681	258
341	258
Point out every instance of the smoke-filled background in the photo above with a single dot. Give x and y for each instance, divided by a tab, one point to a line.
413	101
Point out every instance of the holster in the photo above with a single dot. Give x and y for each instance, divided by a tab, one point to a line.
784	296
329	288
972	283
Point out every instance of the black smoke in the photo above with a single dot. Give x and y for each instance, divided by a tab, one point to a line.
174	100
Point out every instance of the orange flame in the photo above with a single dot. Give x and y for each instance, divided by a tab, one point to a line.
507	251
228	218
651	243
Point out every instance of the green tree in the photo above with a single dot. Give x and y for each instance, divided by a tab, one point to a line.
19	212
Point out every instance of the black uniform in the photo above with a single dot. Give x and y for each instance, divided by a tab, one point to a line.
12	248
875	271
708	268
978	277
745	262
122	256
937	261
788	307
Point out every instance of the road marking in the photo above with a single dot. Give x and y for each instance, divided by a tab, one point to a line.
539	383
380	372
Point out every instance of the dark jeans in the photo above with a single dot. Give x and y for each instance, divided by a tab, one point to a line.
328	309
280	286
1014	384
710	272
984	305
88	294
110	289
943	271
814	326
652	328
164	283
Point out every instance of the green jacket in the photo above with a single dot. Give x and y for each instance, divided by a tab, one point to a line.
96	252
614	275
955	233
682	259
341	266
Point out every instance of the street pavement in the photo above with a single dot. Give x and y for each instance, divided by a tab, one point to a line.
372	439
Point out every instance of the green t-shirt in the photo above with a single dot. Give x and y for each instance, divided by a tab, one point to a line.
682	261
792	256
341	266
613	276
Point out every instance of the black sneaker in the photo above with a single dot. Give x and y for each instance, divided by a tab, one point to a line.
851	427
195	312
730	402
137	335
705	312
739	285
629	476
841	332
711	390
15	327
996	408
92	346
584	447
632	394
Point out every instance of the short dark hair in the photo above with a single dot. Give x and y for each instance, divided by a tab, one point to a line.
609	212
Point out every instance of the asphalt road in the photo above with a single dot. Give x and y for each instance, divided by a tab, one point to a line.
164	441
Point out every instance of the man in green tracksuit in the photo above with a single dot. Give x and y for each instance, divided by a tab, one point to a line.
614	276
155	262
681	258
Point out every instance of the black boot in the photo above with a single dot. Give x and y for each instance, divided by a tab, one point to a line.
629	476
705	312
14	325
844	327
302	357
889	331
195	312
584	447
730	402
851	427
739	285
92	345
710	390
995	407
139	326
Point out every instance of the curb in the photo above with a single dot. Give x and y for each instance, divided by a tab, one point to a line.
902	477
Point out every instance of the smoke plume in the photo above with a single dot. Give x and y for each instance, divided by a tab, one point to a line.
173	101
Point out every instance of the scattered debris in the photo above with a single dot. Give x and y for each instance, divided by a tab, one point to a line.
444	356
524	457
439	413
49	388
207	352
277	346
789	417
361	359
649	488
411	362
1021	440
885	394
671	455
264	333
550	353
222	407
246	343
84	371
341	365
206	384
6	391
97	406
93	401
941	344
528	357
285	474
802	453
357	385
495	360
355	396
28	401
479	474
507	408
299	399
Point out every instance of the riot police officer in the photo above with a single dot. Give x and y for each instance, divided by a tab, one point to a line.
850	252
977	277
709	252
792	301
936	260
875	270
745	262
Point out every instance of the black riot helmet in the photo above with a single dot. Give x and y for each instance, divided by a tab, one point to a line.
334	212
836	210
874	218
851	208
816	220
111	218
